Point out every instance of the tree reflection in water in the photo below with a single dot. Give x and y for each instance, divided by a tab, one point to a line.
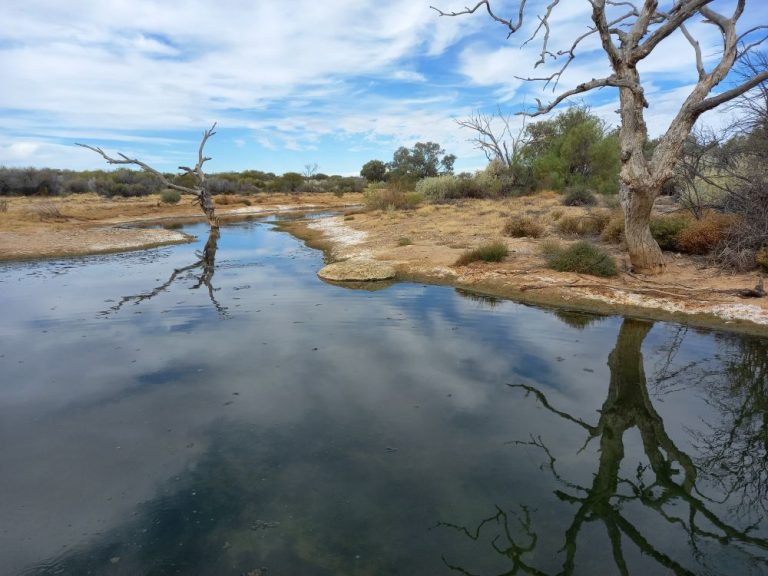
201	272
734	455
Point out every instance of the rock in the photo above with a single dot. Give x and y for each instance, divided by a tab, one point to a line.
357	270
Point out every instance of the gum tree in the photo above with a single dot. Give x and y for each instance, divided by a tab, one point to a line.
629	32
200	189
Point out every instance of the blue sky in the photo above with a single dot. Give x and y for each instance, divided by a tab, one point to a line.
290	82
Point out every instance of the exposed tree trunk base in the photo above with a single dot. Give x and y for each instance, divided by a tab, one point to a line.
644	252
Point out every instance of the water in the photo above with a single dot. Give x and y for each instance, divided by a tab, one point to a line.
240	416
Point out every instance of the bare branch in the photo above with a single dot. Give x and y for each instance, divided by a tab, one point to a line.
513	26
201	192
697	48
728	95
146	167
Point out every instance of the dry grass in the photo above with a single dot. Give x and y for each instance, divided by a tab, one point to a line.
589	224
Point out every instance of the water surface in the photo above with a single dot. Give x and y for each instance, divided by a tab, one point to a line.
230	413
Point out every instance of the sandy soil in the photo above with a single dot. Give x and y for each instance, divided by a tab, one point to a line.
90	224
691	290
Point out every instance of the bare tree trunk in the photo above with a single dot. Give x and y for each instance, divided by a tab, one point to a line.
207	206
644	252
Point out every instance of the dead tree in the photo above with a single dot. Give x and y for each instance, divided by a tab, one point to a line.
629	31
201	192
493	137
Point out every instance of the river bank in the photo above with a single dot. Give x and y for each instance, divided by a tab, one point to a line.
420	245
423	245
90	224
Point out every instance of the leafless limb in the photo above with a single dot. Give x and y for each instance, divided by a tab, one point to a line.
493	136
200	191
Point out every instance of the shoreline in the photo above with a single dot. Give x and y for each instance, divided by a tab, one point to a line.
686	294
626	295
85	225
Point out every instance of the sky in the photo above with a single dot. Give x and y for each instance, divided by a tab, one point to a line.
293	83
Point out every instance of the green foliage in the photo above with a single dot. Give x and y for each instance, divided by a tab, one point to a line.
494	251
582	258
425	159
523	227
374	171
575	147
404	241
666	230
579	196
170	197
448	187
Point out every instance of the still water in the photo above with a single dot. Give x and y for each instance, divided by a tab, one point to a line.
230	413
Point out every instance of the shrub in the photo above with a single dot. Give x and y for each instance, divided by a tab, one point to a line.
761	257
404	242
550	247
614	230
556	214
448	187
583	258
171	197
590	224
390	199
666	230
579	196
491	252
701	236
522	227
48	211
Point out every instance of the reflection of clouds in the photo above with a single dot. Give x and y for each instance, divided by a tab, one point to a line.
93	426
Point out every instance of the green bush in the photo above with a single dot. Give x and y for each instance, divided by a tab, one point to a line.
583	258
404	241
491	252
523	227
666	230
448	187
170	197
579	196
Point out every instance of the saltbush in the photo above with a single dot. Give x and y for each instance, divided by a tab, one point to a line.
523	227
583	258
494	251
579	196
170	197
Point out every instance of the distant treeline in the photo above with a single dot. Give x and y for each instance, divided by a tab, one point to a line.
127	183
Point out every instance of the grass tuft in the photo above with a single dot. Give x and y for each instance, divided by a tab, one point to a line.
494	251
